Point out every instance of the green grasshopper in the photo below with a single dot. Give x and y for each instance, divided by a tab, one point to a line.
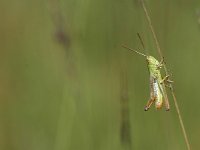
157	85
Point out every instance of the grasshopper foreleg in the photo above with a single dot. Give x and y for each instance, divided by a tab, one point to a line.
166	80
161	63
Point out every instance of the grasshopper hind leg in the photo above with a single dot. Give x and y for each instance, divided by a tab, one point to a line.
152	94
167	107
167	83
149	103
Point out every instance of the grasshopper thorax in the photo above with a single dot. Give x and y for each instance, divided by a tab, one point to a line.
153	66
152	61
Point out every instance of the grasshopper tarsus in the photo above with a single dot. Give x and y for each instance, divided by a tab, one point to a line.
170	81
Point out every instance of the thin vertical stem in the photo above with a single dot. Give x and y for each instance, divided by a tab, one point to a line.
172	91
62	36
125	127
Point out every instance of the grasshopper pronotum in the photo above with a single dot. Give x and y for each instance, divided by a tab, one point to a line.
157	92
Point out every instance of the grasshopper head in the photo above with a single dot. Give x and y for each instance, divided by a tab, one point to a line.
152	61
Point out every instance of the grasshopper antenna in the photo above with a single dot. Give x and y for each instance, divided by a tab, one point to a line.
141	41
130	49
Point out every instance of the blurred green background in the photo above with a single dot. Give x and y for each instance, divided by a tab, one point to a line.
67	84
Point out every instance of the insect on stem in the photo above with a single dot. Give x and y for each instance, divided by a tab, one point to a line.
157	86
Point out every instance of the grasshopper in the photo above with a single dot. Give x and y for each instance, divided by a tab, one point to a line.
157	83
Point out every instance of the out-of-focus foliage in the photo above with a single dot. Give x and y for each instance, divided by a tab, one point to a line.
85	95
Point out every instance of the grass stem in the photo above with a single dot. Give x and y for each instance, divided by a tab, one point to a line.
171	87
